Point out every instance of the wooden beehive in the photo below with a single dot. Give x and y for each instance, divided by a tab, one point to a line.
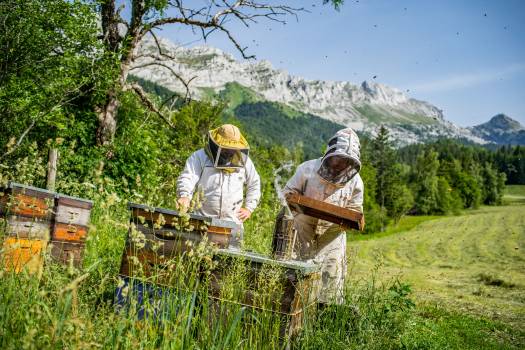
36	214
67	253
71	219
157	235
27	201
292	303
23	254
70	229
28	213
298	281
346	218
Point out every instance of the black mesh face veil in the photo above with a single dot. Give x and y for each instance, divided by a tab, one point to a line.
341	160
226	158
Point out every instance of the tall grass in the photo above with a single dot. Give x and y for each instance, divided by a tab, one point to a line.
74	308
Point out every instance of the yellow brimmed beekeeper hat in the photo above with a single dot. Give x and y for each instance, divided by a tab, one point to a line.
229	136
227	148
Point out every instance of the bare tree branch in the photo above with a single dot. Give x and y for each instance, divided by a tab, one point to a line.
159	47
145	18
20	139
148	103
158	62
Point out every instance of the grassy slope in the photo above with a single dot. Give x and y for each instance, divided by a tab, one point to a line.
473	264
379	115
274	123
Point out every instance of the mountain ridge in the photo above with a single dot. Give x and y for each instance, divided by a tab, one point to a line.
363	107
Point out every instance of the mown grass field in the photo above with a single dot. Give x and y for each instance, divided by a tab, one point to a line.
466	266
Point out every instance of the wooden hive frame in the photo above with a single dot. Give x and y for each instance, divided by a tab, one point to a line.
346	218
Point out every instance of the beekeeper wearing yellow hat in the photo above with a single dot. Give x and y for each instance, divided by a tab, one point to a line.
221	170
334	179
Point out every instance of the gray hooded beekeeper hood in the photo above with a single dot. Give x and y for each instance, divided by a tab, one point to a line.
341	161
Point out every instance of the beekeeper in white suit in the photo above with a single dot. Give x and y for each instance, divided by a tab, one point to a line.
334	179
221	170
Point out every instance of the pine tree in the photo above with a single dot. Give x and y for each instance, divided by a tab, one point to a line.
425	182
393	197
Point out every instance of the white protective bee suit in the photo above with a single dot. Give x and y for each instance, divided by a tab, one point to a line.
317	240
223	191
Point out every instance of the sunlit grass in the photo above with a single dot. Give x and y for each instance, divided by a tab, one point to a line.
406	223
444	258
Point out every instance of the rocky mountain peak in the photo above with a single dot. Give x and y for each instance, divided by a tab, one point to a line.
501	129
503	121
383	94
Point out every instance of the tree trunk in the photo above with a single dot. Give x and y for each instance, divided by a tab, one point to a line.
107	120
127	45
107	114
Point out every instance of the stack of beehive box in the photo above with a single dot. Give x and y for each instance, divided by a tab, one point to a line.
70	229
157	235
35	221
27	213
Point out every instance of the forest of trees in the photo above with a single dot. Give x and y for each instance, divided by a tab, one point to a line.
437	178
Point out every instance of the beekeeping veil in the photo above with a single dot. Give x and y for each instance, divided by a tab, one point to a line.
227	148
341	161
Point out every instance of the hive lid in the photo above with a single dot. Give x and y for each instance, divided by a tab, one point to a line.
209	221
41	191
304	267
87	202
16	186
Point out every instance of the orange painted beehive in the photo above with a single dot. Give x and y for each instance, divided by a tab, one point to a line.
23	254
34	214
70	229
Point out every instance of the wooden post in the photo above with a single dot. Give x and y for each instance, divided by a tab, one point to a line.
52	169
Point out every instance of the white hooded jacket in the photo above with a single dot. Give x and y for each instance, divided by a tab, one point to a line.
223	191
319	240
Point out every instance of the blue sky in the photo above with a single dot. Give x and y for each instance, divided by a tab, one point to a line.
465	57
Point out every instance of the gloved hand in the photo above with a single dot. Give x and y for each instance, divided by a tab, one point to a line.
184	204
243	214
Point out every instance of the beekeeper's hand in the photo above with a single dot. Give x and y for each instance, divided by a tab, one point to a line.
184	204
243	214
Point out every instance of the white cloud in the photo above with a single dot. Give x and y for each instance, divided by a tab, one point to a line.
468	80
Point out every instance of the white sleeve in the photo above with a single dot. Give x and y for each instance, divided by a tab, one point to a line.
296	183
356	199
253	186
190	176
